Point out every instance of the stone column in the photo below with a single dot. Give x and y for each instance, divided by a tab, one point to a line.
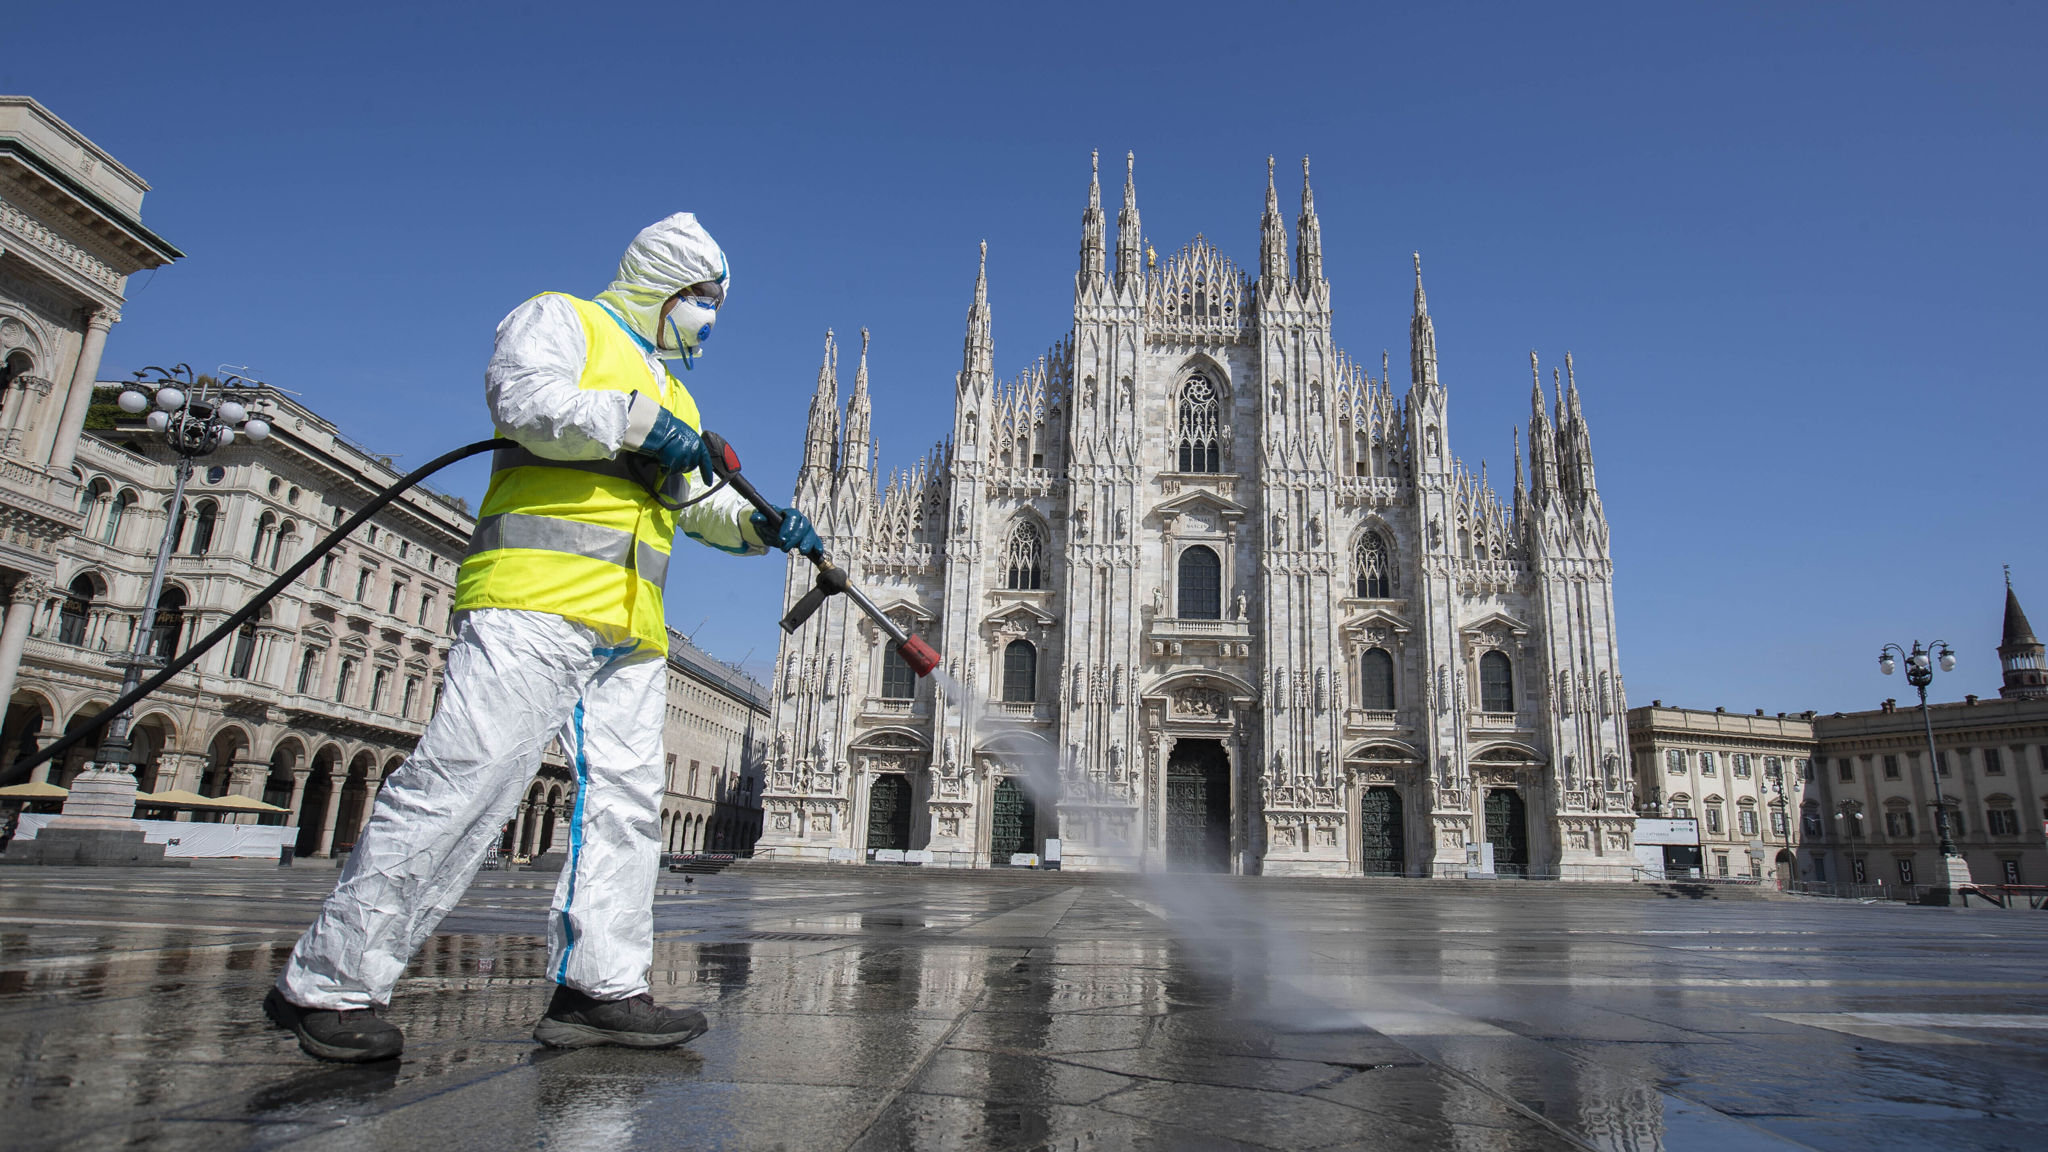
299	776
21	609
331	811
372	780
247	778
64	448
41	773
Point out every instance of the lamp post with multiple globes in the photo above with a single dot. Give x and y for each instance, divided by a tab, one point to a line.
1920	673
195	415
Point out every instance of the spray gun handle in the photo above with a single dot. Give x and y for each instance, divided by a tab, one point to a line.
725	463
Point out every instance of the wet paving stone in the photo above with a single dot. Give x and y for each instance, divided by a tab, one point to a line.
857	1009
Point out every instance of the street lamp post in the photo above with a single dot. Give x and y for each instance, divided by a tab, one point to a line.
1920	673
1852	822
1786	798
195	415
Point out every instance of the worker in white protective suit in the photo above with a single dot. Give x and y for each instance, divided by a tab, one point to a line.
559	632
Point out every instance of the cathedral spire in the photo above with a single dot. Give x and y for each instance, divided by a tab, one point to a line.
1130	239
978	356
1542	439
857	449
1578	442
1422	336
1092	253
821	437
1308	243
1272	240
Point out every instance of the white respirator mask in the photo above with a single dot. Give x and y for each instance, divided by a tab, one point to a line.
688	325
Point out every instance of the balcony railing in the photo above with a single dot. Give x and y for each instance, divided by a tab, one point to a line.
1177	628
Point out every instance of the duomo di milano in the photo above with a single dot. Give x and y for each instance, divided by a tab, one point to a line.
1241	593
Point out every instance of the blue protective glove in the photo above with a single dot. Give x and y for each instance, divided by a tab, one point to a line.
677	446
796	534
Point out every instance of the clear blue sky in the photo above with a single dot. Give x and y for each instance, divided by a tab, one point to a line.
1797	250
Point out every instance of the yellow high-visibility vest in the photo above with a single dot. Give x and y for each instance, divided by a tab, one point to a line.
583	539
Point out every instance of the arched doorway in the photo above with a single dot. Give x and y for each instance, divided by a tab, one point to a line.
547	822
1787	870
1382	839
148	740
27	716
1198	806
888	812
82	752
282	780
354	795
221	755
1013	823
317	800
1507	829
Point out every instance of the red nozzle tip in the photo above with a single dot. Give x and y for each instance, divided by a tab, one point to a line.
918	655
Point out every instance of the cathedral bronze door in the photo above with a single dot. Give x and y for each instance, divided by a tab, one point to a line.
1013	825
1380	835
1507	829
1198	807
889	812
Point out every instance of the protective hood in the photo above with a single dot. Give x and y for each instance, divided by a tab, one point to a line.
665	258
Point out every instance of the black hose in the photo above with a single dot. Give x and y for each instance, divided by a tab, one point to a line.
99	720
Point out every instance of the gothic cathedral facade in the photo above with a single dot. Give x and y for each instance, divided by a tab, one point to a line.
1210	596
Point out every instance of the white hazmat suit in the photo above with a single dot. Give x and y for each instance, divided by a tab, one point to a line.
516	679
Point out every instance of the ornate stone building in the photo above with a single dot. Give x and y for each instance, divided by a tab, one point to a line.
70	236
311	704
1239	597
1846	800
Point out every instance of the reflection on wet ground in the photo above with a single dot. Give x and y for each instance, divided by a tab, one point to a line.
855	1010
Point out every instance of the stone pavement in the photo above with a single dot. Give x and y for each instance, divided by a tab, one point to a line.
859	1009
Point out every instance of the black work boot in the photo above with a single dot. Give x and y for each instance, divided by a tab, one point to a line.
355	1036
574	1020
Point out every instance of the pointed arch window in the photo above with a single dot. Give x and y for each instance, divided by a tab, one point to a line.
1020	672
1375	567
1496	683
1376	680
1200	426
1025	556
1201	584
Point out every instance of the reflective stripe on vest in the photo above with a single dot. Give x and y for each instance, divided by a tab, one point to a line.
547	534
582	539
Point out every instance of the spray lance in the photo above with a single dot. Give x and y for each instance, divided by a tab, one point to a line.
832	579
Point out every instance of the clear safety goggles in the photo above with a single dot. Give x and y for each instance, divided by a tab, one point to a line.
710	292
